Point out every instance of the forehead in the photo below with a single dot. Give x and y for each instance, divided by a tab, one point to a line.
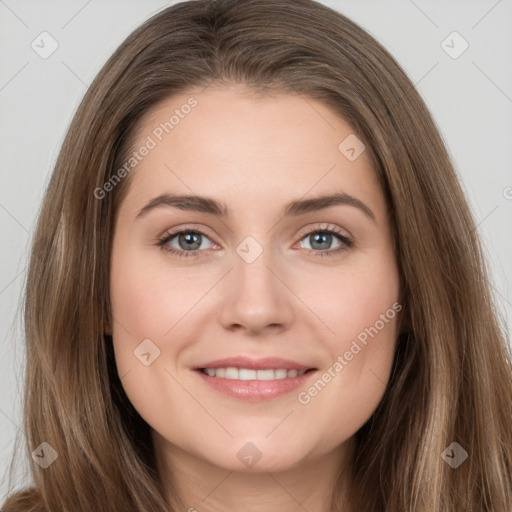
249	148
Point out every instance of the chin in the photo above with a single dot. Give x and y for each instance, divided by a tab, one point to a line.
260	454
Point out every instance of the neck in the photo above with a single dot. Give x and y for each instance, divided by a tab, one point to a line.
193	484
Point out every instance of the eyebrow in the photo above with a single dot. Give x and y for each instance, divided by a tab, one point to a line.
294	208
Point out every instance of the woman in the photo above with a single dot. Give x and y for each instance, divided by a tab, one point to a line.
259	373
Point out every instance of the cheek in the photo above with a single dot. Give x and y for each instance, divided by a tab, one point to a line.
148	300
354	298
137	306
360	307
151	302
148	303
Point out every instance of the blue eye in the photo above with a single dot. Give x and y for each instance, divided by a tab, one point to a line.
188	238
326	236
191	240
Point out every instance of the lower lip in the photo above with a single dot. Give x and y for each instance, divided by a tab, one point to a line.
255	390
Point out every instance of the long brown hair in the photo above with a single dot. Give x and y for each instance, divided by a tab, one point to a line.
452	372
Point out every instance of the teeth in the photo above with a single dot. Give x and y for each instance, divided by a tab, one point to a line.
231	373
281	374
247	374
244	374
266	375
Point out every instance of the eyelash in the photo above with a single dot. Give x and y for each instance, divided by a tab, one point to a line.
346	244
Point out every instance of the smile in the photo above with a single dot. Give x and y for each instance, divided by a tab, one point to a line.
255	385
250	374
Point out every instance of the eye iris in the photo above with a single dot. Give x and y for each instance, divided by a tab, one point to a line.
188	238
320	238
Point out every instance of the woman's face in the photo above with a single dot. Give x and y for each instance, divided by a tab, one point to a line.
262	335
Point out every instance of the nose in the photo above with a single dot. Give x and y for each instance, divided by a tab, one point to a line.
256	296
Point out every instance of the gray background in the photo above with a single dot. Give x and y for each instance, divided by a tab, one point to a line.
470	97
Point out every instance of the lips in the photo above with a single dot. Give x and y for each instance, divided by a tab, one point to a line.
234	373
254	379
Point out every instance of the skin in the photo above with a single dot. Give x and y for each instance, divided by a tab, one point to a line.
255	153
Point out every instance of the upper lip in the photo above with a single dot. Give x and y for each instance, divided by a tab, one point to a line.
266	363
